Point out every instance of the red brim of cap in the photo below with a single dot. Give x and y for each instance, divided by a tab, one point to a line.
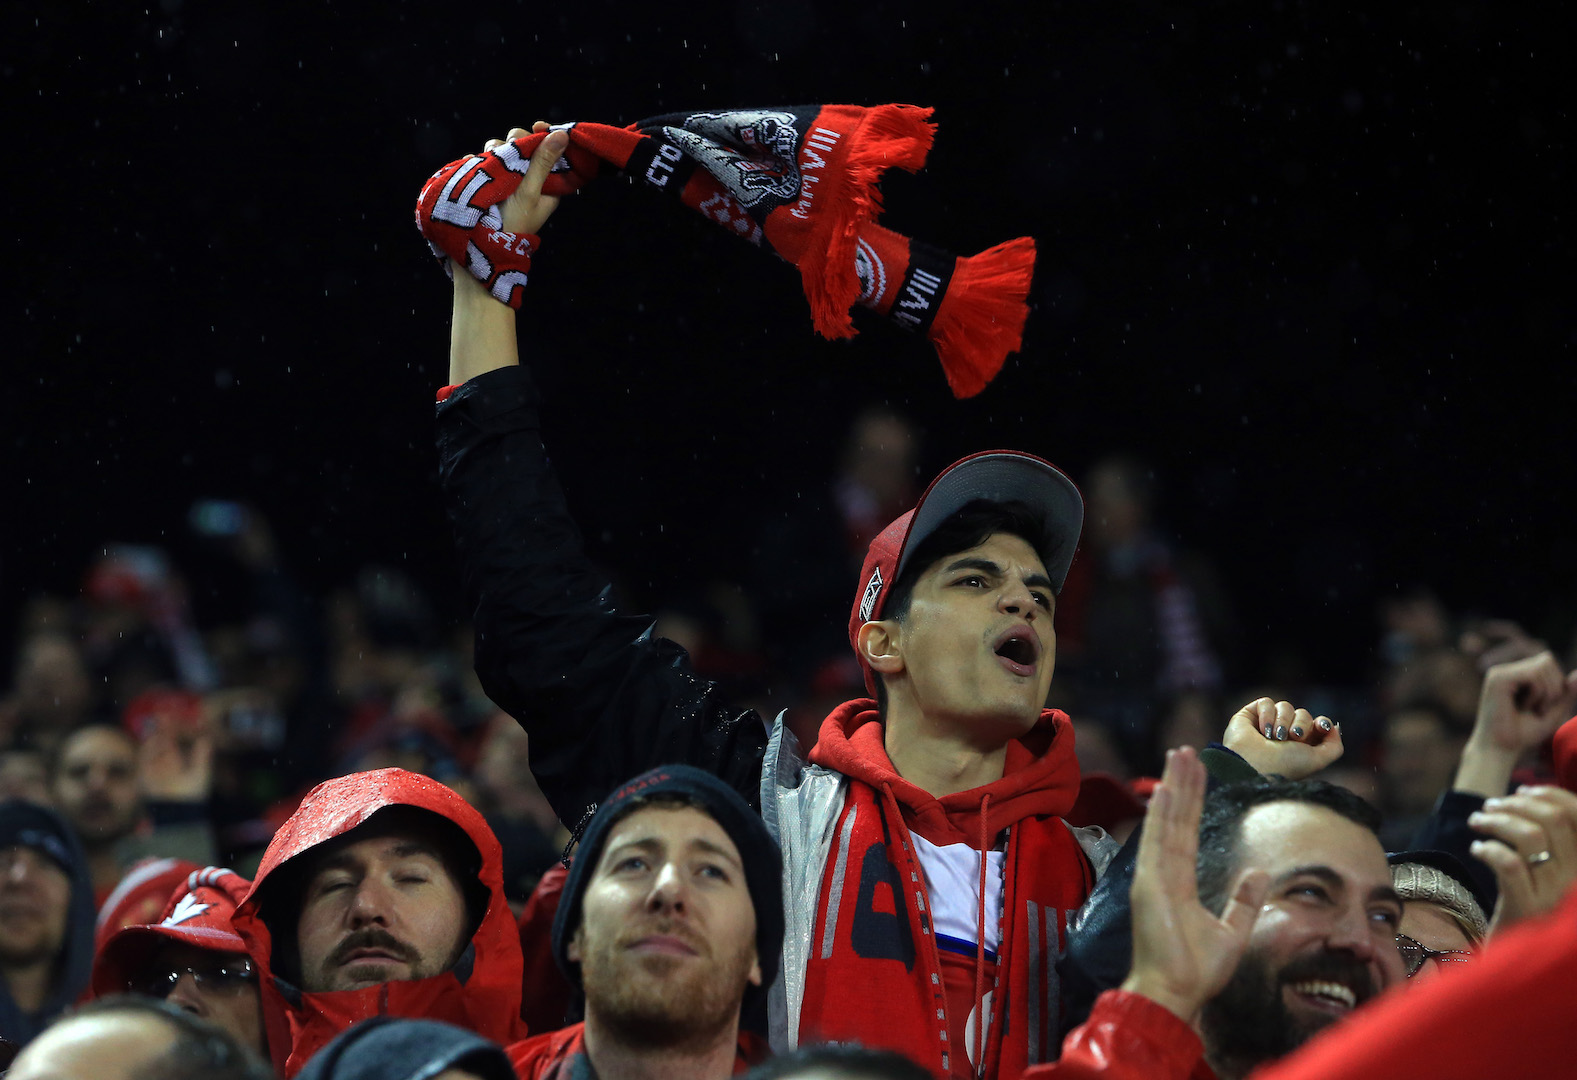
131	949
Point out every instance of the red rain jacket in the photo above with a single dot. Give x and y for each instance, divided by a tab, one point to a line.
486	1000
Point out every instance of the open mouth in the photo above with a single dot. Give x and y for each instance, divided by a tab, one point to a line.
1019	650
1331	997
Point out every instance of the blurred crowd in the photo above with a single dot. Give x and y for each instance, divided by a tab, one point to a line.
167	743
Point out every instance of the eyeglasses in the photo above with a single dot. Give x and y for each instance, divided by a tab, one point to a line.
1414	954
221	976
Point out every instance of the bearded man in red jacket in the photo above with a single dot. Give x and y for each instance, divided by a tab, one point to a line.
1254	930
382	895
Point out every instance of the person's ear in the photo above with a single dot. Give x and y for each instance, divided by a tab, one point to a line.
755	968
572	951
881	646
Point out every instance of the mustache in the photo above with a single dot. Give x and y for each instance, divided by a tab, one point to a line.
370	938
666	928
1332	965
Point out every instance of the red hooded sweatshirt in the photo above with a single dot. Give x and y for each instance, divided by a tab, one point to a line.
944	909
481	992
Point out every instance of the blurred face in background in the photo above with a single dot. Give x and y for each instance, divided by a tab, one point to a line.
96	785
1421	756
35	896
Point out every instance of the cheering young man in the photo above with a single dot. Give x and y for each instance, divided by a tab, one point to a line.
928	874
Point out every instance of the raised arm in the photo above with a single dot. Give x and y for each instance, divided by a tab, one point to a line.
601	697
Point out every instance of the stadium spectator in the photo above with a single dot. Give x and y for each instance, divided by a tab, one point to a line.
129	800
191	958
135	1038
672	913
1421	746
1255	926
381	895
46	919
1442	921
943	796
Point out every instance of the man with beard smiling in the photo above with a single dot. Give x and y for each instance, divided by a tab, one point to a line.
1254	928
671	916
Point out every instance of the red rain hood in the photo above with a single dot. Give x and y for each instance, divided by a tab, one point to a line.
486	1001
1040	776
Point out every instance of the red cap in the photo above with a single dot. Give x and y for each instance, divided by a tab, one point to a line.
198	913
993	476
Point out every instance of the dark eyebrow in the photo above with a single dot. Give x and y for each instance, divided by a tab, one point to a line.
1323	873
1333	879
716	849
986	566
1385	892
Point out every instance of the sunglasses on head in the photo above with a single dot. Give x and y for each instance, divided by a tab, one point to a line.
220	975
1414	954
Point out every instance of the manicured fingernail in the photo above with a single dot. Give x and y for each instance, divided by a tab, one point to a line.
1281	731
1297	733
1491	804
1270	732
1325	725
1476	818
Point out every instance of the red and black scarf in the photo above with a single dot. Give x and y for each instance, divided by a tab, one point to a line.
798	181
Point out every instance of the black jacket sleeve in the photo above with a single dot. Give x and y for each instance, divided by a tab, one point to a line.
1446	829
600	696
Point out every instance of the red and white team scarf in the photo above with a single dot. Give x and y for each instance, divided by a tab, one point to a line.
798	181
875	975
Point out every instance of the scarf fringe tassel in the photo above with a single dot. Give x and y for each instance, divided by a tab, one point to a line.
981	319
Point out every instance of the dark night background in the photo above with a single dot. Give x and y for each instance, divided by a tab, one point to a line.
1312	261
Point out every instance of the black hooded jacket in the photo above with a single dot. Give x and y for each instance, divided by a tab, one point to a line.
24	824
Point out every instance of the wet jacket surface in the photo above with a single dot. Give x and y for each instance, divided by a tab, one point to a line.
1128	1037
602	697
480	993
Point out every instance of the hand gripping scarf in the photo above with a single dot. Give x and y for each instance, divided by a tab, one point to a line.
798	181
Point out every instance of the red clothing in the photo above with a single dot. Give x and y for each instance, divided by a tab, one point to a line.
554	1056
878	977
1128	1037
544	992
1507	1014
480	993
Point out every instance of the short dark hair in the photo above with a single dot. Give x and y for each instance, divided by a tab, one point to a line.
202	1051
1222	822
970	526
857	1062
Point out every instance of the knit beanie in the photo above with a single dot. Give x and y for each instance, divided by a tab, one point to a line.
395	1048
1426	875
758	851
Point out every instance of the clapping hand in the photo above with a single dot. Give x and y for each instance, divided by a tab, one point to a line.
1183	955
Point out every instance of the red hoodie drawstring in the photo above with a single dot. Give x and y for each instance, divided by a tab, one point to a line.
980	944
917	888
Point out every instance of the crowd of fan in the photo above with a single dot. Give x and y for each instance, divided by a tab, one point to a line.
310	842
